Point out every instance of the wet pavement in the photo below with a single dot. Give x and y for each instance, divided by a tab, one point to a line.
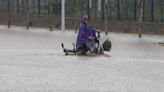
33	61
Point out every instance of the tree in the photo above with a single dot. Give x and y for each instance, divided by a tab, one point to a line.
27	14
135	10
152	10
88	8
50	9
18	6
9	12
141	2
118	9
161	5
106	16
96	4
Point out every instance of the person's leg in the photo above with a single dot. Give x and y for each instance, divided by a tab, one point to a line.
82	50
91	46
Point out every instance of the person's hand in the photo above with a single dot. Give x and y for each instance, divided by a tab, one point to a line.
91	37
98	30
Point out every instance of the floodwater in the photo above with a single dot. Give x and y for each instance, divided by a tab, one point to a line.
33	61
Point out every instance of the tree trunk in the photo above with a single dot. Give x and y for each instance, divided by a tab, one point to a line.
23	6
17	6
106	16
95	12
126	9
9	12
135	10
33	7
27	14
162	10
118	9
96	3
76	19
81	8
141	18
152	10
50	7
88	7
39	7
102	9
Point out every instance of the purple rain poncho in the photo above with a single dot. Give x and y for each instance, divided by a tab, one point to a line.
83	34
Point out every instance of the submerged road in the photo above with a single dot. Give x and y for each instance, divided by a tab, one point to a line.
33	61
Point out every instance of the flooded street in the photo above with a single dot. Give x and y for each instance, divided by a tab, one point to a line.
32	61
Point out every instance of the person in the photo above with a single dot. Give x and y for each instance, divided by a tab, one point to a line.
86	37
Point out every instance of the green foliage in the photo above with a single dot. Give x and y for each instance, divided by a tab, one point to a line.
128	9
